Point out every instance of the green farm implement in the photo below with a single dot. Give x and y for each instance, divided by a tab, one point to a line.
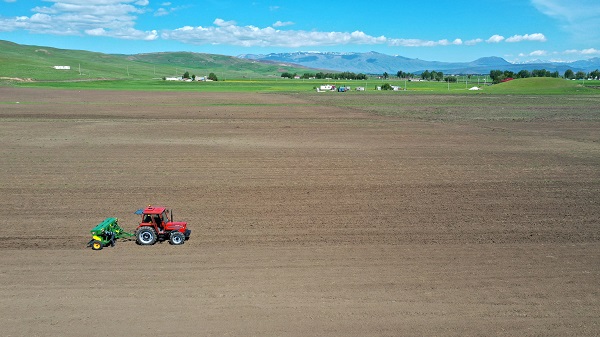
106	233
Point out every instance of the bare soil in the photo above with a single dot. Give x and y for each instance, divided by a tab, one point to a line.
308	217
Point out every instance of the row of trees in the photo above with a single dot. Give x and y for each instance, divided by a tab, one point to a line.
432	75
427	75
187	76
320	75
581	75
499	75
402	74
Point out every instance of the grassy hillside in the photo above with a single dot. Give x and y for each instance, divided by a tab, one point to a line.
546	85
223	66
144	71
36	63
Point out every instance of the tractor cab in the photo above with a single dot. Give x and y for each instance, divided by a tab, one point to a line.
158	217
160	220
153	217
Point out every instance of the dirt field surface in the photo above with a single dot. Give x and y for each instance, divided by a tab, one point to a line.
311	215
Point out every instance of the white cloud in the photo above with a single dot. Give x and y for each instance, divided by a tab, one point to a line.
166	9
40	18
282	24
113	18
223	23
227	33
96	32
568	55
584	52
538	53
495	39
126	33
473	42
590	51
161	12
527	37
118	18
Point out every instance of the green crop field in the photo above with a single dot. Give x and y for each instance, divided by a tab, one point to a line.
530	86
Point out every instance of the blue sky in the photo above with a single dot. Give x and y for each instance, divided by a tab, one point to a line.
435	30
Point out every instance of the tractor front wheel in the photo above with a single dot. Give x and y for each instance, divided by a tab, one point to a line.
146	236
176	238
97	245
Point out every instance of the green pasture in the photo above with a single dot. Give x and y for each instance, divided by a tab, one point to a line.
37	63
33	66
538	86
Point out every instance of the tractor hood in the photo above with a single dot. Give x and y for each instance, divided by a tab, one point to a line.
176	225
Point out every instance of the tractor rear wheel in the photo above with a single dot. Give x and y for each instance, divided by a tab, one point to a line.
176	238
146	236
97	245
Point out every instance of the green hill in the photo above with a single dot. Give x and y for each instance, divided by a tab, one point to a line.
35	66
37	63
540	85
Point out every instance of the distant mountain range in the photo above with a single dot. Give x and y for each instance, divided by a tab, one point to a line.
377	63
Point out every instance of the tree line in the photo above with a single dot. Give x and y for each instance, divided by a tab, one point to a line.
187	76
427	76
499	75
496	75
320	75
581	75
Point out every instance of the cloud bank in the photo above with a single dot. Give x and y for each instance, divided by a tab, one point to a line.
229	33
117	19
112	18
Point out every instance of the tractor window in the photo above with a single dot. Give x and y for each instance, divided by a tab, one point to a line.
165	219
147	218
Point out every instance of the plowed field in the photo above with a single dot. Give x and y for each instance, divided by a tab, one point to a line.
311	214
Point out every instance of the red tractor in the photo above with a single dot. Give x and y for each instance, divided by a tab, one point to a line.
158	225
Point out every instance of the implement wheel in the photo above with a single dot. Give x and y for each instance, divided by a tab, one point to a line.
176	238
97	245
146	236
